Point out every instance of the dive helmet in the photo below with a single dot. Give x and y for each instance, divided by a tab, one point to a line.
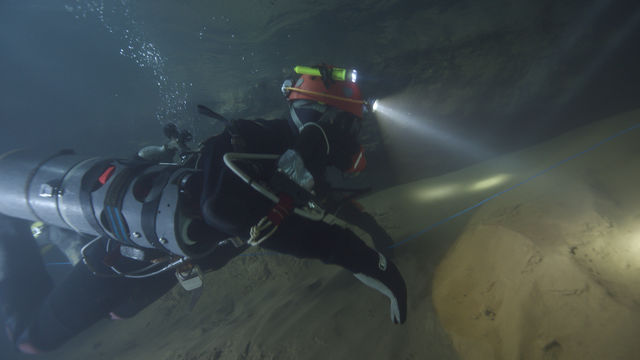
328	85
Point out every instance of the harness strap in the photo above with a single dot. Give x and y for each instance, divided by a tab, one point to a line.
271	221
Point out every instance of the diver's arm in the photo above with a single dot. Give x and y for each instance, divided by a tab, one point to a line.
306	162
330	141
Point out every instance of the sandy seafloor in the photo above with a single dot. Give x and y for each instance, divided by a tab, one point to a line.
546	270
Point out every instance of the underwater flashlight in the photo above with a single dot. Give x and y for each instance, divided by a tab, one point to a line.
371	105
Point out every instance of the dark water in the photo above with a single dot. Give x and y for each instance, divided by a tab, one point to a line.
102	76
64	83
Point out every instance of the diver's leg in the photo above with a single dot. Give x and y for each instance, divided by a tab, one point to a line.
24	281
146	291
220	256
352	213
140	293
82	299
333	245
74	305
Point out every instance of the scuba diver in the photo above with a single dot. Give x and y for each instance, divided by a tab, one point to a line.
258	183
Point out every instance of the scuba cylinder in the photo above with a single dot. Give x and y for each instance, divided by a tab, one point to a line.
136	203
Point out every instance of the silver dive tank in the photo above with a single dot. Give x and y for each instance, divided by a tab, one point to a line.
137	203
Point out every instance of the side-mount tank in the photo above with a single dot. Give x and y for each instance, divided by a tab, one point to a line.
139	204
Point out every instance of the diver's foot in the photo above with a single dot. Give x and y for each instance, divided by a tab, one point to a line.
17	334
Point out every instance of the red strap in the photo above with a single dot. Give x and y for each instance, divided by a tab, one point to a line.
281	210
106	175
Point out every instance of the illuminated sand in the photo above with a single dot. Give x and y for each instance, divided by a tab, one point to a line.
546	271
550	270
